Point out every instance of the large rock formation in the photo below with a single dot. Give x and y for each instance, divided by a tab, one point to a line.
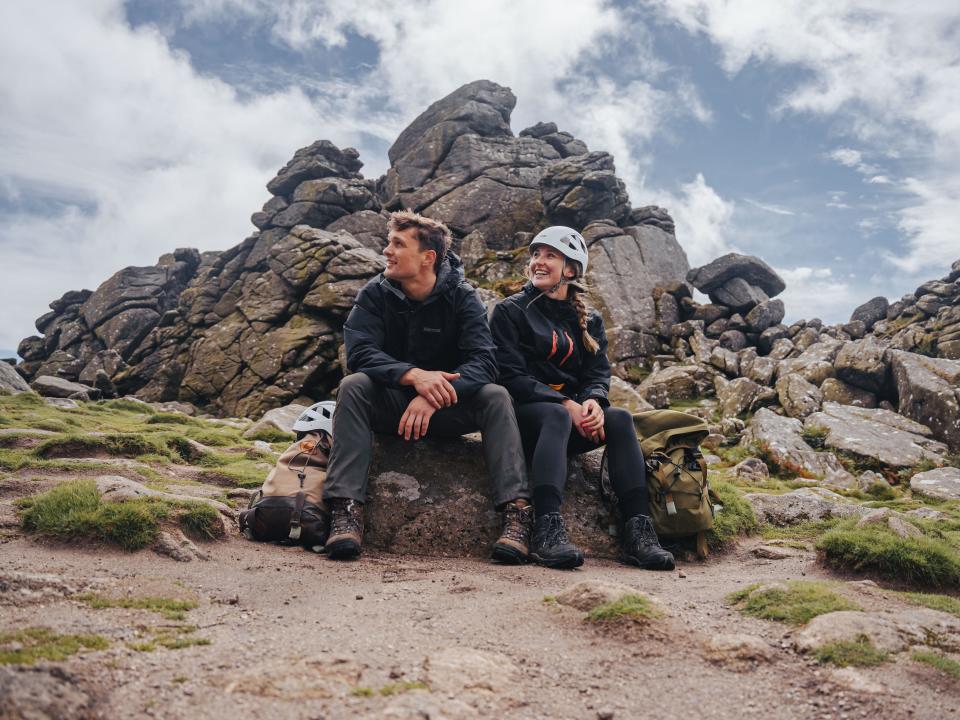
260	325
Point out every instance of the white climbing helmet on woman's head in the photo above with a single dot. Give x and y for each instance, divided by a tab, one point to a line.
567	240
316	418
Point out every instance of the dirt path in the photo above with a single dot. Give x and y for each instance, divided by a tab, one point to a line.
293	635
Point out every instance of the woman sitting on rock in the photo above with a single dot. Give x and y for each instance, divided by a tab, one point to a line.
552	356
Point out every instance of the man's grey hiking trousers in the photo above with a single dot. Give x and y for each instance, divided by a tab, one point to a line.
365	407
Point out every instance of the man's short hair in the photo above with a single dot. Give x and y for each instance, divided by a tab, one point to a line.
431	234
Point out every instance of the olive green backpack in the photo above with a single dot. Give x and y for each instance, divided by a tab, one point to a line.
680	497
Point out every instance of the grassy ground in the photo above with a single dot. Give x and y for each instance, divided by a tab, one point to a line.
27	646
74	510
629	607
927	561
859	653
795	602
100	432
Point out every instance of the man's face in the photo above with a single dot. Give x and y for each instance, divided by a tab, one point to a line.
404	257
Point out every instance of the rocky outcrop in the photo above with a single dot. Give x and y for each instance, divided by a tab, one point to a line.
459	162
802	505
940	483
626	266
578	190
11	381
928	391
780	438
737	281
927	320
885	436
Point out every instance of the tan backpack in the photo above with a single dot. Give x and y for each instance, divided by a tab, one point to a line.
289	507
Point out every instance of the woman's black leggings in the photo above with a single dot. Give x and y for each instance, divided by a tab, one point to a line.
549	437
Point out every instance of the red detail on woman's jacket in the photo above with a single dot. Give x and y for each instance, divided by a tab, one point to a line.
570	351
553	351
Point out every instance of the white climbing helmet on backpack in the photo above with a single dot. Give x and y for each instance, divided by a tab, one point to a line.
567	240
316	418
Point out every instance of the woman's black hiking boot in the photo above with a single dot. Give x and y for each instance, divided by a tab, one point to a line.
550	545
641	547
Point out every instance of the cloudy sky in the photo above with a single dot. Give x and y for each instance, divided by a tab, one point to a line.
821	135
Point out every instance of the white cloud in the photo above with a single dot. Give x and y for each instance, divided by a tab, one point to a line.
814	292
128	152
931	225
878	180
551	60
848	157
884	71
703	220
770	208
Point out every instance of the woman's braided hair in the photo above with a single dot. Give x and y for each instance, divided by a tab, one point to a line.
575	292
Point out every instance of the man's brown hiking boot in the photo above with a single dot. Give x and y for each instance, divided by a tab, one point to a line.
513	547
346	529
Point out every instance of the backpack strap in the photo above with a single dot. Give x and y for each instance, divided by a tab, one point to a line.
297	512
301	496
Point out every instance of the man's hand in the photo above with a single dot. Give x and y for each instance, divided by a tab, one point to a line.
433	385
592	421
416	418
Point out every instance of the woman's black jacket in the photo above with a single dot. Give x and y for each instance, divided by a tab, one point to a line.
540	343
387	334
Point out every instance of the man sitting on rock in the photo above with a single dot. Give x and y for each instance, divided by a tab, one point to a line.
422	358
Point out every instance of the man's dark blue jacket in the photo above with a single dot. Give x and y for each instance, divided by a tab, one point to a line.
387	334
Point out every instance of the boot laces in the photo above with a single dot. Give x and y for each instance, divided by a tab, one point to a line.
552	530
345	517
643	532
516	521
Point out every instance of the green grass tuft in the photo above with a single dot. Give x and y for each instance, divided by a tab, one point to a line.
798	603
844	653
176	637
402	687
74	510
881	491
271	435
214	438
25	647
815	436
941	662
944	603
361	691
922	561
115	444
131	525
167	607
629	607
170	419
52	425
805	530
735	519
201	521
126	405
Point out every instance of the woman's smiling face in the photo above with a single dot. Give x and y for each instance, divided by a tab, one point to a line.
546	267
